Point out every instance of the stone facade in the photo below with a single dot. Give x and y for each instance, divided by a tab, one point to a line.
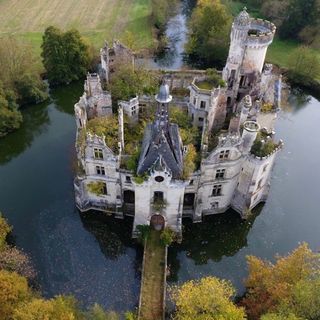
234	172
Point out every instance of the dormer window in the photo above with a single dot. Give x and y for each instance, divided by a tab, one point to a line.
224	154
98	153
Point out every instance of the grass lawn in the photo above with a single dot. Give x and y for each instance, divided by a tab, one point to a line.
153	279
96	19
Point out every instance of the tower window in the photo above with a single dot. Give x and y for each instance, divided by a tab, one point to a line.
194	101
200	119
220	173
98	153
100	170
216	191
202	105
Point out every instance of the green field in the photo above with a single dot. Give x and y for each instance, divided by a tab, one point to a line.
96	19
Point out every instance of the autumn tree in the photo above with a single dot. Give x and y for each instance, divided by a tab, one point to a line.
209	33
289	287
208	298
4	231
65	55
14	290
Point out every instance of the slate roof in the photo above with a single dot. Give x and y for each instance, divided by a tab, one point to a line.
161	140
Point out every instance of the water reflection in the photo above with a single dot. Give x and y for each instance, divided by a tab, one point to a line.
35	122
66	96
113	235
216	237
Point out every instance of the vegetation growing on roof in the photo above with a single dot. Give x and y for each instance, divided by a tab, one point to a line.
126	83
189	133
189	162
263	145
107	126
96	187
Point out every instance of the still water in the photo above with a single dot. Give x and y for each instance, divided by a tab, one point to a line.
93	257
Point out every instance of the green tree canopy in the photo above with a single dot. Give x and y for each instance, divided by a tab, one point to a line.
209	37
10	117
208	298
65	55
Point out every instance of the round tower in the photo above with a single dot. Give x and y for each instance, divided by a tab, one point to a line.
246	105
238	37
260	36
249	134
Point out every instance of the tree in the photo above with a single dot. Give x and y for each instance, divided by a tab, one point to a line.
10	117
58	308
65	55
208	298
14	290
5	229
30	89
209	31
290	286
304	65
19	72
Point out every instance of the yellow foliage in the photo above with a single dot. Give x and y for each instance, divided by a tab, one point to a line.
208	298
4	230
13	291
59	308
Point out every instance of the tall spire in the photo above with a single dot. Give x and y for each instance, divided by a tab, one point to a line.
161	139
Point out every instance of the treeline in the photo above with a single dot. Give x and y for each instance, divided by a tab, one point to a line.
295	19
20	301
288	289
66	57
20	82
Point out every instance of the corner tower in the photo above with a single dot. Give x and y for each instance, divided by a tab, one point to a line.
250	39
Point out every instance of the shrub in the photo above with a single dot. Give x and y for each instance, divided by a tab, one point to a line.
96	187
167	236
143	232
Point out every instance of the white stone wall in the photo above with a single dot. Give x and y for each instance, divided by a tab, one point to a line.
173	192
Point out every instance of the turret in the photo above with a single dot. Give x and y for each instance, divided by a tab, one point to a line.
246	104
249	134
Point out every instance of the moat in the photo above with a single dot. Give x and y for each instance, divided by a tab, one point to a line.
93	257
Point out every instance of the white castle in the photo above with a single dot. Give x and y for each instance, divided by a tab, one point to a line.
234	172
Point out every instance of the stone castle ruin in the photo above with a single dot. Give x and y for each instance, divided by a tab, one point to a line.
232	115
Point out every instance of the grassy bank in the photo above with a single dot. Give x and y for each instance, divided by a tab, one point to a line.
152	289
96	19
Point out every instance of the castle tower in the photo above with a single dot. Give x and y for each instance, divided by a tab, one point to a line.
249	134
250	39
